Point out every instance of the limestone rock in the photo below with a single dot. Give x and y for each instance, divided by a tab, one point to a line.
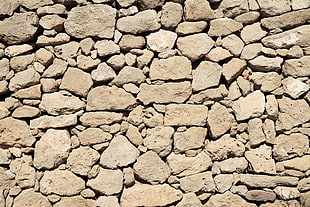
304	184
223	182
233	8
8	7
120	153
195	46
297	67
174	92
144	21
189	199
253	105
198	182
20	63
233	165
299	163
185	28
4	67
181	165
44	122
266	64
106	48
58	68
263	181
61	182
223	27
68	50
151	168
149	195
15	50
198	10
185	114
51	21
217	54
171	14
23	79
161	41
14	131
92	136
192	138
31	198
109	98
60	38
255	130
164	69
286	193
206	75
250	51
107	201
107	182
94	119
91	20
233	69
87	62
270	9
267	81
25	174
227	199
103	73
34	4
252	33
233	43
129	75
294	88
150	4
53	9
129	42
52	149
19	28
75	201
6	182
260	195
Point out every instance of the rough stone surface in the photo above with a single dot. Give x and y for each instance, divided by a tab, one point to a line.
190	139
227	199
31	198
206	75
223	27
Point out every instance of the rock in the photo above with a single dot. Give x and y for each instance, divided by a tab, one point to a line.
25	174
149	195
219	120
151	168
93	136
60	38
129	75
304	184
8	7
95	119
185	114
198	182
106	48
192	138
107	182
233	43
300	4
251	51
120	153
82	159
34	4
21	62
256	134
159	140
68	50
23	79
252	33
233	165
14	131
53	9
260	195
189	199
286	193
174	92
164	69
45	122
134	136
267	81
91	20
269	131
161	41
151	118
233	8
206	75
217	54
57	69
52	149
185	28
86	62
224	147
100	98
4	157
294	88
261	160
223	182
6	181
292	113
253	105
195	46
223	27
117	61
266	64
266	181
15	50
305	198
107	201
31	198
19	28
171	14
149	4
4	67
227	199
297	67
59	103
129	42
144	21
75	201
181	165
233	69
103	73
299	163
198	10
51	21
269	9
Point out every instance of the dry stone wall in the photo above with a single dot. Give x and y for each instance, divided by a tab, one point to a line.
129	103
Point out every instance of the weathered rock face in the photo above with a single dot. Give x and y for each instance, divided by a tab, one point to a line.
192	138
227	199
31	198
206	75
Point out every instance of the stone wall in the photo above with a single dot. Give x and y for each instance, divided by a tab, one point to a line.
186	103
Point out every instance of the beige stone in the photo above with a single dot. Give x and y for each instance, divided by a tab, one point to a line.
255	130
4	67
25	174
171	14
189	199
233	165
45	121
68	50
58	68
75	201
286	193
94	119
223	182
267	81
185	28
297	4
268	8
269	131
294	88
263	181
161	41
233	43
51	21
252	33
192	138
93	136
217	54
53	9
15	50
266	64
198	182
117	62
227	199
297	67
299	163
251	51
86	62
26	112
60	38
233	68
151	118
103	73
198	10
106	48
260	195
206	75
23	79
129	42
31	198
223	27
129	75
20	63
304	184
233	8
248	17
8	7
107	201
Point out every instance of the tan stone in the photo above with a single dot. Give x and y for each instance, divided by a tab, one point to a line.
217	54
107	201
266	64
297	4
106	48
26	112
260	195
4	67
192	138
94	119
31	198
44	122
103	73
86	62
255	130
129	75
58	68
25	174
75	201
297	67
294	88
198	182
263	181
51	21
189	199
171	14
223	27
248	17
223	182
227	199
68	50
198	10
233	8
233	165
268	8
20	63
286	193
304	184
92	136
206	75
233	68
23	79
233	43
53	9
252	33
161	41
269	131
8	7
267	81
251	51
15	50
60	38
129	42
185	28
299	163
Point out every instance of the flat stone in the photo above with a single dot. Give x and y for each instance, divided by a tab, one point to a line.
31	198
287	193
185	28
233	8
296	4
206	75
217	54
52	149
149	195
294	88
270	9
233	165
164	69
91	136
57	69
53	9
260	195
8	7
233	43
171	14
266	181
45	121
223	27
223	182
198	10
266	64
94	119
251	51
68	50
86	62
161	41
129	42
192	138
297	67
23	79
150	4
26	112
304	184
91	20
15	50
100	98
227	198
103	73
20	63
252	33
185	115
267	81
299	163
174	92
233	69
4	67
198	182
129	75
60	38
34	4
106	48
107	201
75	201
255	131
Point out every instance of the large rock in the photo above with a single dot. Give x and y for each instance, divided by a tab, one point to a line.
198	182
266	181
61	182
253	105
192	138
206	75
91	20
297	67
198	10
149	195
304	184
174	92
120	153
14	131
298	163
164	69
45	122
30	198
233	69
109	98
94	119
19	28
268	8
59	103
171	14
185	115
23	79
8	7
227	199
144	21
75	201
52	149
58	68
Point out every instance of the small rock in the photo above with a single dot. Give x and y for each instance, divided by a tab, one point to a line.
266	64
217	54
299	163
171	14
24	173
267	81
286	193
44	122
53	9
227	198
129	75
60	38
185	28
252	33
161	41
14	50
68	50
233	8
192	138
266	181
106	48
86	62
95	119
189	199
129	42
198	10
107	201
103	73
251	51
198	182
51	21
4	68
233	165
26	112
23	79
294	88
255	130
206	75
223	182
20	63
31	198
233	69
57	69
223	27
297	67
234	44
260	195
92	136
269	9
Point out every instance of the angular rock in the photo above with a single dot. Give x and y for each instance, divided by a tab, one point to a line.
20	63
198	182
93	136
75	201
57	69
189	199
45	122
252	33
299	163
253	105
107	201
227	199
174	92
19	28
60	38
198	10
86	62
91	20
294	88
107	182
260	195
129	75
120	153
6	180
266	64
34	4
4	67
286	193
206	75
129	42
106	48
270	131
149	195
15	50
233	8
31	198
217	54
233	69
23	79
51	21
185	115
185	28
150	4
234	44
304	184
109	98
171	14
255	130
25	174
223	182
95	119
223	27
103	73
161	41
297	67
192	138
8	7
52	149
270	9
53	9
68	50
267	81
251	51
233	165
33	92
266	181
